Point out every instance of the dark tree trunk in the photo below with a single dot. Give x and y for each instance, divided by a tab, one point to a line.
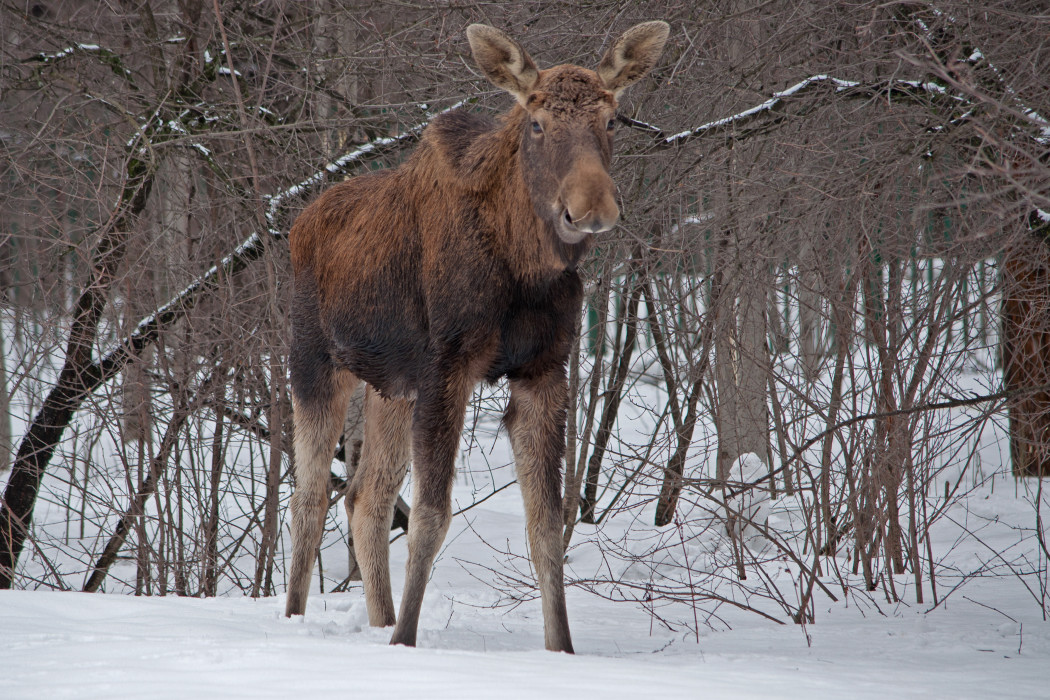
612	406
1026	352
79	376
137	506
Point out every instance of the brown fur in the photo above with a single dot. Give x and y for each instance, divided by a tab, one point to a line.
458	267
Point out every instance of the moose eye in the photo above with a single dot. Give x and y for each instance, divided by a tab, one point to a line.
536	128
611	125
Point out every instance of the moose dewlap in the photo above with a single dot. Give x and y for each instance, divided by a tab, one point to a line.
457	267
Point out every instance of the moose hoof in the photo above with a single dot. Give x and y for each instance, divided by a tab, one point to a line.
403	639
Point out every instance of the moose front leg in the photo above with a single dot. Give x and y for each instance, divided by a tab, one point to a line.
535	419
436	427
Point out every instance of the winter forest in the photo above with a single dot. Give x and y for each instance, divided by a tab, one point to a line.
809	420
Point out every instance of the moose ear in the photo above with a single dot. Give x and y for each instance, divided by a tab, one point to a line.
502	60
633	55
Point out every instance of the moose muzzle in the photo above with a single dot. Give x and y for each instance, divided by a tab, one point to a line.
588	203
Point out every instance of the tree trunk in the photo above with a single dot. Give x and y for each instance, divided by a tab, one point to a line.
742	368
579	439
5	409
674	474
811	345
79	375
613	396
741	371
138	503
211	528
264	565
1026	351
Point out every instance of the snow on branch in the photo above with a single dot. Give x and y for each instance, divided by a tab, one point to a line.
976	56
111	59
250	249
889	88
340	166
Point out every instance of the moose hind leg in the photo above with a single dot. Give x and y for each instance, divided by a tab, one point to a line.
370	503
535	420
319	411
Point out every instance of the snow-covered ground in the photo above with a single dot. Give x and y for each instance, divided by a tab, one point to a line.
989	639
77	645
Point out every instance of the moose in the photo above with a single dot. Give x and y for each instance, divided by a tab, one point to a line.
457	267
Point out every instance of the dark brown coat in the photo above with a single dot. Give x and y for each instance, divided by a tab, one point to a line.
457	267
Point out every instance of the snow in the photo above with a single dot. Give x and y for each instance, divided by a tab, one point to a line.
86	646
752	504
988	639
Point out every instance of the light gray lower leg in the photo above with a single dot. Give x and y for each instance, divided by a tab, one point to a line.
370	503
317	427
536	423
